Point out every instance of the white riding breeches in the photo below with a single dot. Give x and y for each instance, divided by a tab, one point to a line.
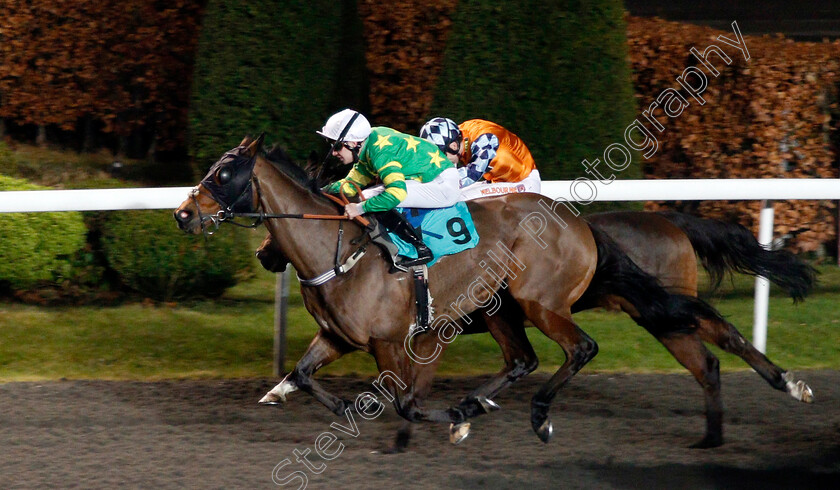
531	183
441	192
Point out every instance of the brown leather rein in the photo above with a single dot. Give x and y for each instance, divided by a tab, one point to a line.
223	215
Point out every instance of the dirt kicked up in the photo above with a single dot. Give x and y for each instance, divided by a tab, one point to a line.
611	431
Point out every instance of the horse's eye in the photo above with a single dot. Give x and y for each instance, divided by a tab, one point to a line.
224	176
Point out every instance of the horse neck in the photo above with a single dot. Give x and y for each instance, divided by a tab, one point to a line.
309	244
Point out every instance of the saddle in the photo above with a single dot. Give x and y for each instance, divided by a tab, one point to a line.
446	231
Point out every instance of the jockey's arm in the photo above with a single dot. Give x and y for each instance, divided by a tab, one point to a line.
483	151
392	177
356	176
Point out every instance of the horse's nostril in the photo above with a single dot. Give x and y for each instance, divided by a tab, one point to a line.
184	214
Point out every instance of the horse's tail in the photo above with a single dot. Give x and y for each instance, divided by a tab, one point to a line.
724	247
658	311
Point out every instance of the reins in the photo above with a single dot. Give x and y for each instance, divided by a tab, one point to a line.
228	215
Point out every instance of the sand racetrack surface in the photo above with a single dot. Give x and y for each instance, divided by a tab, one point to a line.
611	431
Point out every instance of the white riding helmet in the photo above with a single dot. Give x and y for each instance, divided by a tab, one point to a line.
342	126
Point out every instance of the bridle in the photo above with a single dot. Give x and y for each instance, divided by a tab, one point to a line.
227	215
239	209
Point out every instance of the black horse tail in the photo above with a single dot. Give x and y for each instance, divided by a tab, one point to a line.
659	311
725	247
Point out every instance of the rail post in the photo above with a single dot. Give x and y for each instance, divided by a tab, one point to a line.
762	285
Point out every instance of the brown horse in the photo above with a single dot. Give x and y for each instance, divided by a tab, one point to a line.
535	253
664	245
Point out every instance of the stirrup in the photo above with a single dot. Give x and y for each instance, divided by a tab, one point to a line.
424	256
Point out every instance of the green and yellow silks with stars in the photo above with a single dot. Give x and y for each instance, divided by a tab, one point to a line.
393	158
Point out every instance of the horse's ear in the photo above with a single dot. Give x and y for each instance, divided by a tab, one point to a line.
246	141
256	145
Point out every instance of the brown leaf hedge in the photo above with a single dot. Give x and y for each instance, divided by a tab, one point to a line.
774	115
127	64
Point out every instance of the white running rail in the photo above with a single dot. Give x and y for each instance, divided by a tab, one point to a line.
582	190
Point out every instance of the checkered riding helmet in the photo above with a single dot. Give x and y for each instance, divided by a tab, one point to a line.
442	132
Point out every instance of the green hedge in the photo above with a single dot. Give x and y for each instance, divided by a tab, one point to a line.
274	66
156	259
37	248
554	72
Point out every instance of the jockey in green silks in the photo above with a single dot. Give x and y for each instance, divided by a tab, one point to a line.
411	172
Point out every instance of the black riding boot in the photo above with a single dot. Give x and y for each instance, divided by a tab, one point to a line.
396	223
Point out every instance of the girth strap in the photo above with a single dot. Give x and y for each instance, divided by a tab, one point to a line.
335	271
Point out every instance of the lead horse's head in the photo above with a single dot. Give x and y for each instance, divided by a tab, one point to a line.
226	189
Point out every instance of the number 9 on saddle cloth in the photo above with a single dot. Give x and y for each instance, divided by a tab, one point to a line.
445	231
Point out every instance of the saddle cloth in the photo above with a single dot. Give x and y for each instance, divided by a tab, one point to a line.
446	231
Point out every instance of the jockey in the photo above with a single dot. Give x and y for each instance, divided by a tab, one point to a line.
412	173
495	161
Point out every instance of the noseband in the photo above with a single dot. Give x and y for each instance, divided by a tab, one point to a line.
219	192
224	214
241	168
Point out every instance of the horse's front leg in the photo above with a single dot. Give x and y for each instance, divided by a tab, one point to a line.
395	365
427	348
324	349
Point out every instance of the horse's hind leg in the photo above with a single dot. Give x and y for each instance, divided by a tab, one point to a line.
727	337
579	349
391	359
689	351
321	351
508	330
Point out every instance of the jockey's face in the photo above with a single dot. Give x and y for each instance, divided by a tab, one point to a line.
455	157
345	151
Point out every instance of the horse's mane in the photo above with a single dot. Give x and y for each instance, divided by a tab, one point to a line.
281	160
306	178
314	176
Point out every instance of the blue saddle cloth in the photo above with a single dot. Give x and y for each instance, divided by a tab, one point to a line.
446	231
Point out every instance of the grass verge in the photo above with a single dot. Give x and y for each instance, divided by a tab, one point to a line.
232	337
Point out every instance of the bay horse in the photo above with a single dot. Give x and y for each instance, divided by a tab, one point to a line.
541	257
665	245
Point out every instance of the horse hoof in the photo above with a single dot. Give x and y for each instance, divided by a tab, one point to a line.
459	432
394	450
708	443
807	394
278	393
270	399
802	392
488	405
545	431
799	389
